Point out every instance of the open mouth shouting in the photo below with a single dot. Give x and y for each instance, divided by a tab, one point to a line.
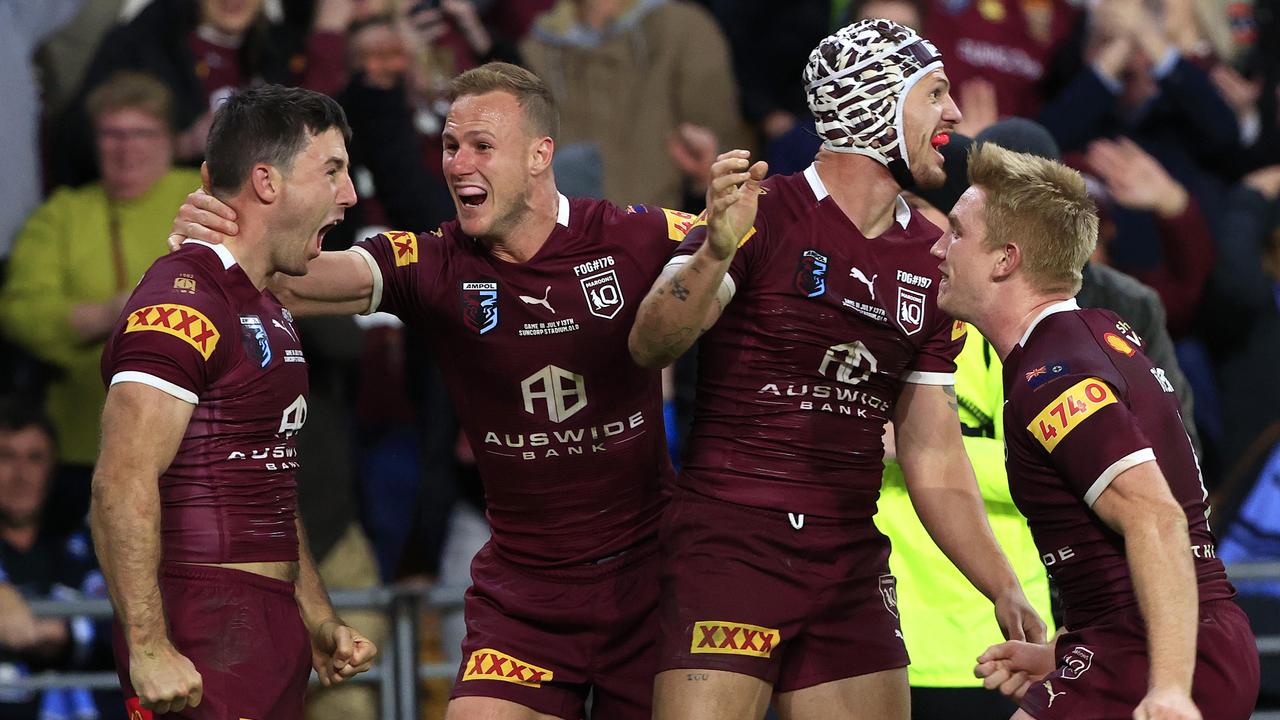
471	196
324	230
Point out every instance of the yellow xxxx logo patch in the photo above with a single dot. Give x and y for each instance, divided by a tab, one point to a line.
718	636
185	323
489	664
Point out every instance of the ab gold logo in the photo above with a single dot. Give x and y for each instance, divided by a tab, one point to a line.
718	636
564	392
853	362
489	664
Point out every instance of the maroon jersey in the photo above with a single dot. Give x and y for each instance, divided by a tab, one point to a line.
1084	405
197	329
798	377
566	428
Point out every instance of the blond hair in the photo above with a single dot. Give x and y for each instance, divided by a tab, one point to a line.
1042	207
530	91
132	90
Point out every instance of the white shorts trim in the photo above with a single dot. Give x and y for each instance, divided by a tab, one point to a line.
375	298
161	384
1104	480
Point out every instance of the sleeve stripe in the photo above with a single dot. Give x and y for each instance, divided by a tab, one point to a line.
728	288
1104	480
930	378
375	298
161	384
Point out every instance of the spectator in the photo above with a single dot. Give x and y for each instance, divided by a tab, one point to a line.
771	42
1135	183
1136	81
82	252
23	25
1245	305
37	562
202	50
631	78
999	52
64	57
394	157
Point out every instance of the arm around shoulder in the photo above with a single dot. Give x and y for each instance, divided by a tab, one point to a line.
336	283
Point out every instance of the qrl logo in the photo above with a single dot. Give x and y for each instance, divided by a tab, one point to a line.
889	593
564	392
294	417
603	293
910	310
1076	662
853	362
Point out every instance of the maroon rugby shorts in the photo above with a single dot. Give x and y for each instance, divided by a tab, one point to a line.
1102	669
245	636
546	638
793	600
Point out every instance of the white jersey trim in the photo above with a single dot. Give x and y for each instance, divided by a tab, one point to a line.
901	210
375	297
161	384
1064	306
562	210
228	260
1104	480
728	288
929	378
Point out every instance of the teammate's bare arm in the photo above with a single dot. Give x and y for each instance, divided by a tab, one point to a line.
945	494
336	283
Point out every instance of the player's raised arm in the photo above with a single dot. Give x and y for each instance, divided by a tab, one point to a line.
142	427
336	283
1139	505
682	303
945	494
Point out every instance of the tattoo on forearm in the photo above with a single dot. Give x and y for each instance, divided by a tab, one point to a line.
950	391
676	339
678	289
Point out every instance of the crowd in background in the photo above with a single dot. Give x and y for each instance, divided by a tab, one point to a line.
1171	108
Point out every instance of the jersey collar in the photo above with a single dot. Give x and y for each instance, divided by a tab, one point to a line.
1064	306
901	210
228	260
562	210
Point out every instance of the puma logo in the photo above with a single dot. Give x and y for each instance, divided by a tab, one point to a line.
857	274
1049	686
540	301
286	330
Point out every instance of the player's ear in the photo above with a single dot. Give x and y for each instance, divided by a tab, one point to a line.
1008	259
540	154
266	182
